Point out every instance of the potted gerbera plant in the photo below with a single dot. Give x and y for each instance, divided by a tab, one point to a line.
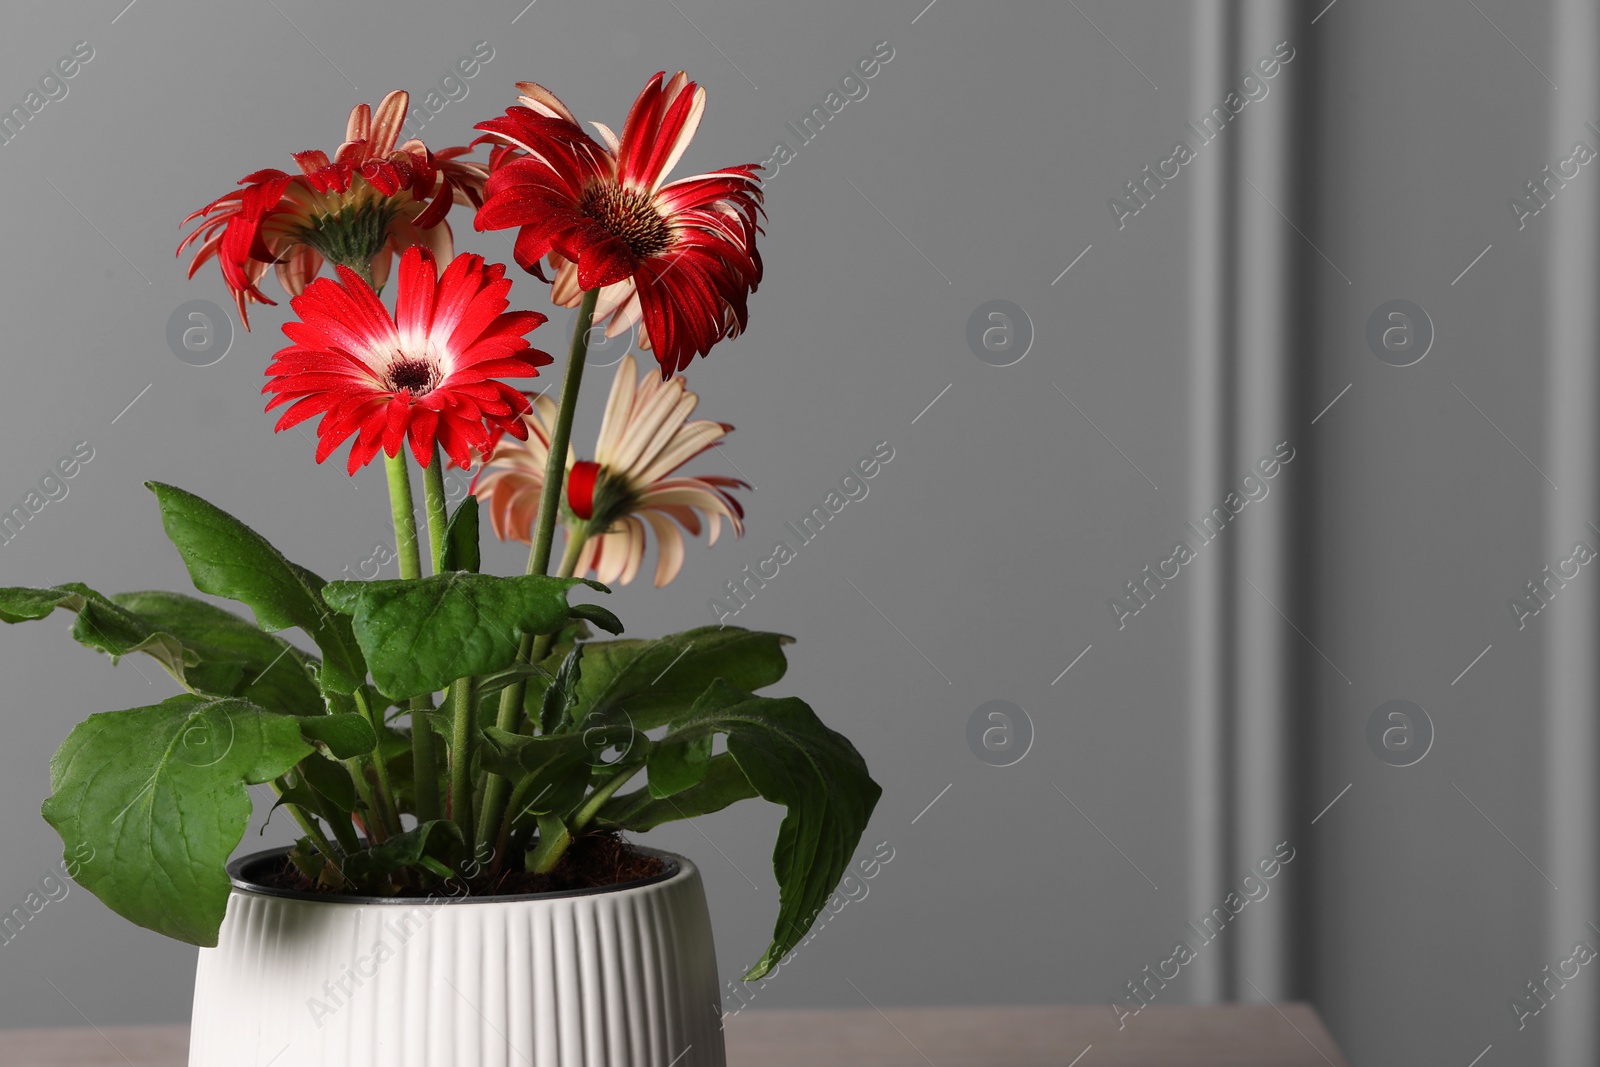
462	753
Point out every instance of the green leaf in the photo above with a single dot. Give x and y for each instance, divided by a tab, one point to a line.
438	839
328	778
722	784
342	736
421	634
791	758
461	539
158	797
676	765
515	756
598	615
490	685
271	672
227	558
655	680
561	695
102	625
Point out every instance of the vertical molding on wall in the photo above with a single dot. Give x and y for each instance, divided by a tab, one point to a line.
1572	451
1211	683
1247	711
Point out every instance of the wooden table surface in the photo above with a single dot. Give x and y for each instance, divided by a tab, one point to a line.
1257	1035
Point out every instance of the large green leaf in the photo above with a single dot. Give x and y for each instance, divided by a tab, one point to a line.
112	629
722	784
327	778
419	635
271	672
342	736
653	681
790	758
516	756
227	558
158	797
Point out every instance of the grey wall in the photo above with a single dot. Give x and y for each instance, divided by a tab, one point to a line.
978	168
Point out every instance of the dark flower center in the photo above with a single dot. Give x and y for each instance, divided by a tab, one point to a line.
414	376
630	215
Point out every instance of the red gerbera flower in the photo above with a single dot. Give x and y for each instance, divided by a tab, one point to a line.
426	374
358	209
681	256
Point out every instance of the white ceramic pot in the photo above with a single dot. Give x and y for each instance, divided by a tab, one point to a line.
623	977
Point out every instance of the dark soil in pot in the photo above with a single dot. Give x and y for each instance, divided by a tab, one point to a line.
593	862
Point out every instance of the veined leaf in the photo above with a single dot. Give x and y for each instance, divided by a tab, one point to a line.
655	680
790	758
158	797
227	558
108	627
342	736
722	784
271	672
421	634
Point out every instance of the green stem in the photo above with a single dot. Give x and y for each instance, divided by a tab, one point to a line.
338	822
403	510
437	507
591	807
461	752
577	537
498	790
555	467
376	827
465	734
424	755
313	832
388	813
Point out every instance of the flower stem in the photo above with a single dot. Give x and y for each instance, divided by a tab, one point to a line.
403	510
498	790
461	750
555	467
437	507
577	538
424	757
387	815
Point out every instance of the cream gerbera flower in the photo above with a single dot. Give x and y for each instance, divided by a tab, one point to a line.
644	437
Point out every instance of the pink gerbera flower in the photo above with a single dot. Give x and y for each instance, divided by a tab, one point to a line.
427	374
358	209
679	256
644	438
